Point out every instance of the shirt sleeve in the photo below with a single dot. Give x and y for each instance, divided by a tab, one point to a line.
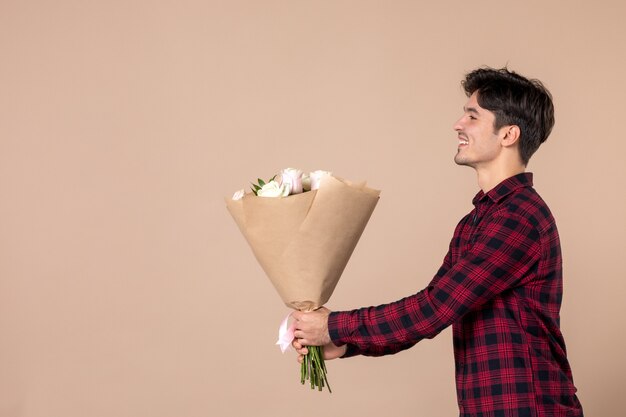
507	251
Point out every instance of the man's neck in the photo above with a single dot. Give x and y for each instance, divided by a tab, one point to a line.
489	178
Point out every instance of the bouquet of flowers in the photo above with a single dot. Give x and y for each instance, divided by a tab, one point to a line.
303	238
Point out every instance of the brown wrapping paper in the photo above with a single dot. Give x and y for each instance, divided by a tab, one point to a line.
304	241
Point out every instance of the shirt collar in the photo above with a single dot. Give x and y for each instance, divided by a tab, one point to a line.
506	187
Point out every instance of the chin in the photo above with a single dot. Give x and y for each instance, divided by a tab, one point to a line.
463	162
459	161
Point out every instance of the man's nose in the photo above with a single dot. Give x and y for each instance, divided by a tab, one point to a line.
458	125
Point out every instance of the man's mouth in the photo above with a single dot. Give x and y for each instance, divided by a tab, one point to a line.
463	141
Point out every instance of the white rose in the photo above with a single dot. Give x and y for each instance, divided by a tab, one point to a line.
273	189
316	177
238	195
293	177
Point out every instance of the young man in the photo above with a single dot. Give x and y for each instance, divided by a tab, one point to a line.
500	285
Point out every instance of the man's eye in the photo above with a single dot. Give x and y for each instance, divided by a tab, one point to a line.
472	117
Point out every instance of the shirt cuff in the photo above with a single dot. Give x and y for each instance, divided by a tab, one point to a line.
339	331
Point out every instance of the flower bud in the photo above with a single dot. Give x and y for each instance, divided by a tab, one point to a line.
293	177
316	177
238	195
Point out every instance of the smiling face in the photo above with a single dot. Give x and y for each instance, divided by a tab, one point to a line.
479	143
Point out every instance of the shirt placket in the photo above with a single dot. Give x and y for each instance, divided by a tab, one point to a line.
476	218
462	359
479	212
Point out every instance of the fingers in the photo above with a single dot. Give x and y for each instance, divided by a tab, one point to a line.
299	347
301	337
311	328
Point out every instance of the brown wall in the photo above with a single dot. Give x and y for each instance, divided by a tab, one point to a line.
126	289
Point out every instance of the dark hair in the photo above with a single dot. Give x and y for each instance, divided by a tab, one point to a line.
514	100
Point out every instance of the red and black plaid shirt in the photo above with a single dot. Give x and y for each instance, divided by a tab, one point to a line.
500	287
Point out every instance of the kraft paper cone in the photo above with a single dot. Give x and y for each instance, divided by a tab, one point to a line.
304	241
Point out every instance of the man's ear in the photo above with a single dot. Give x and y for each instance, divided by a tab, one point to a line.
510	135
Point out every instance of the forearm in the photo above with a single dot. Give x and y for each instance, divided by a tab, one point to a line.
388	328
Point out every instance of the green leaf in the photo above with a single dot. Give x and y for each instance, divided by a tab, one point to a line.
261	182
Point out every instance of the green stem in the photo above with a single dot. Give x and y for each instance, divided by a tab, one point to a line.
313	368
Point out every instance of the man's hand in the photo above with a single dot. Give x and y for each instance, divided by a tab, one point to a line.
312	330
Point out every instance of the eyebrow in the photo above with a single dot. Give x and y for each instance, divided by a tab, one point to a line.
470	110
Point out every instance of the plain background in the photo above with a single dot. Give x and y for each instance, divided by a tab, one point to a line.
127	290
